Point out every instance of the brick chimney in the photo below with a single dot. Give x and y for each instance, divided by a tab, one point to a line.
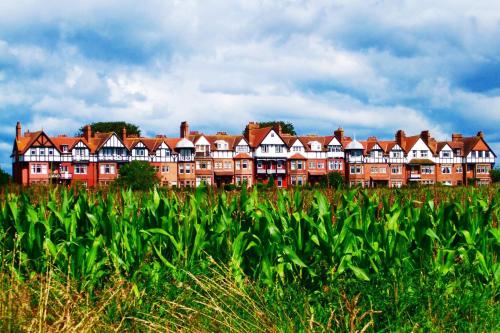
425	136
339	134
372	139
277	128
184	129
87	132
18	131
124	133
401	138
456	137
480	134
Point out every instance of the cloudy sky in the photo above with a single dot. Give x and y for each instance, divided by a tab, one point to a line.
371	67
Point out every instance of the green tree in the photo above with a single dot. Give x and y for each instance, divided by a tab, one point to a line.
5	178
335	179
138	175
286	127
112	126
495	175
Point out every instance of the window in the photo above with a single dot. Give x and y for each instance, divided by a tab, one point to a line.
335	165
80	151
51	151
483	169
397	154
486	154
265	148
414	153
64	148
396	170
217	165
165	169
181	168
279	149
446	154
300	165
227	165
280	182
428	169
140	152
293	180
356	169
312	165
378	170
300	181
187	168
423	153
396	183
202	165
259	164
244	164
242	149
63	168
293	165
280	164
238	180
459	169
42	151
107	169
38	169
334	148
237	165
80	169
321	165
157	168
297	148
446	169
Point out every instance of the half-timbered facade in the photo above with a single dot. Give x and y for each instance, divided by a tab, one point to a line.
258	156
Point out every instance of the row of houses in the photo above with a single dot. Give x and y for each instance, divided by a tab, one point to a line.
260	155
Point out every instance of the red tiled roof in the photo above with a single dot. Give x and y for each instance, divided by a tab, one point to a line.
257	135
241	156
297	156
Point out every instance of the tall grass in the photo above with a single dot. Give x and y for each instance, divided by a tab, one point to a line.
315	241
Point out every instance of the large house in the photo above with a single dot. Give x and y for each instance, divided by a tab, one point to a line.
260	155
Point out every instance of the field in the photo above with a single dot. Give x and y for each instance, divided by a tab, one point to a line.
422	259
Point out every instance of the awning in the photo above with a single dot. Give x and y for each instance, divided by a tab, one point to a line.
224	173
421	161
316	173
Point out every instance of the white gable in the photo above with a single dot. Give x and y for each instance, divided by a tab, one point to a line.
376	147
202	141
396	147
243	142
163	146
298	143
80	144
272	138
420	145
334	142
113	142
140	145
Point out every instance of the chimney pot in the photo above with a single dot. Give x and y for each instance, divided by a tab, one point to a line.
87	132
18	130
480	134
124	133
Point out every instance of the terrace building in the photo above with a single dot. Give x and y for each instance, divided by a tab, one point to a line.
260	155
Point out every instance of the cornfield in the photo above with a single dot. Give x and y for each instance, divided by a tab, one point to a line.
310	239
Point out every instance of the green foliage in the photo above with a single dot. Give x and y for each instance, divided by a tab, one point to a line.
335	180
138	175
5	178
495	175
426	256
113	126
286	127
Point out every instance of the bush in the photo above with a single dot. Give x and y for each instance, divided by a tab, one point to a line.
495	175
5	178
138	175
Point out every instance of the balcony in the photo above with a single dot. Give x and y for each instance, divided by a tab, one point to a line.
271	171
414	175
202	154
261	171
281	171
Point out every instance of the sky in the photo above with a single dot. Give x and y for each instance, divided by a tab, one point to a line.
371	67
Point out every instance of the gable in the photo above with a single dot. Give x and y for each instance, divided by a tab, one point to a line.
202	141
42	141
420	145
272	138
243	142
81	144
298	143
396	148
334	142
139	145
164	146
376	147
480	145
113	142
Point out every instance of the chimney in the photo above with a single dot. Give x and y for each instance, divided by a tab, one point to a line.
372	139
18	130
401	138
456	137
480	134
184	129
425	136
277	128
124	133
339	134
87	132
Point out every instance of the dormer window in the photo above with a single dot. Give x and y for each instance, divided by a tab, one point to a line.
64	148
51	151
334	148
33	151
397	154
42	151
140	152
279	149
446	153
